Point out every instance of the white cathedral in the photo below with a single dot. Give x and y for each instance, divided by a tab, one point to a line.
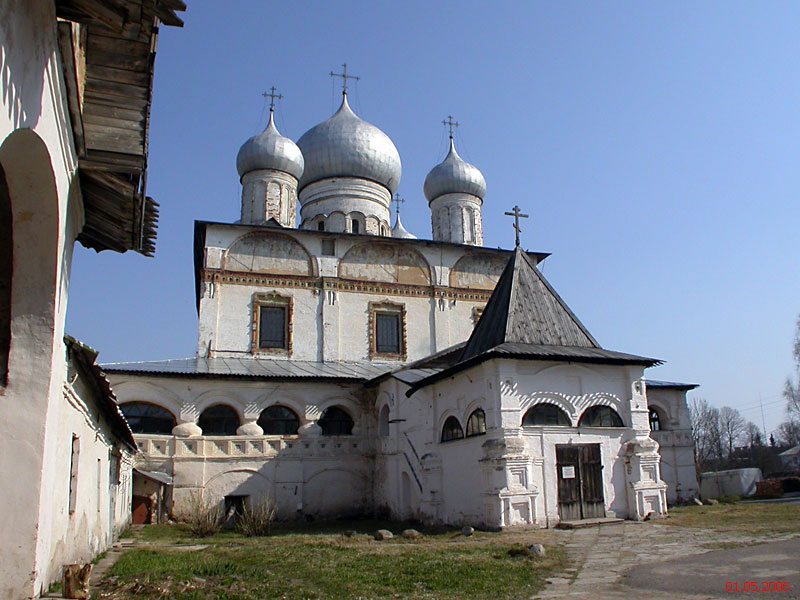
345	367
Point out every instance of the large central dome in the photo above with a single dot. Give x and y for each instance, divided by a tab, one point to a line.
346	146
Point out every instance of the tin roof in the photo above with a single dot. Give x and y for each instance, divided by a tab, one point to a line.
258	368
654	383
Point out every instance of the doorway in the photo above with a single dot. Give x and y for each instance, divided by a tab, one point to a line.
580	482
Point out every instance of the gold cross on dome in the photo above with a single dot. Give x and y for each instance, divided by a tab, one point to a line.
517	215
449	123
272	96
344	77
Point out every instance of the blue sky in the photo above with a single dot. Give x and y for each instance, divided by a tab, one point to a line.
654	145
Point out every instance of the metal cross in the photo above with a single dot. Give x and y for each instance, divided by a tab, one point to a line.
344	77
450	123
397	202
272	95
517	215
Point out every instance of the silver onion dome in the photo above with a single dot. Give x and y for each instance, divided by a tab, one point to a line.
454	175
346	146
270	150
398	231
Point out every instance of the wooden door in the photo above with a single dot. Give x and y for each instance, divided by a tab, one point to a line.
580	482
142	508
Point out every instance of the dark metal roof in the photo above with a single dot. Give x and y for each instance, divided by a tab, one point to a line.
85	357
258	368
525	309
653	383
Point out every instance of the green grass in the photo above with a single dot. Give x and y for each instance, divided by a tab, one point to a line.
755	519
326	564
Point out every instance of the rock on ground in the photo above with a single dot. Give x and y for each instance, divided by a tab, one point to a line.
467	530
383	534
411	534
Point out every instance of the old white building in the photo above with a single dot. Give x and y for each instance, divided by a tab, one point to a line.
347	367
76	91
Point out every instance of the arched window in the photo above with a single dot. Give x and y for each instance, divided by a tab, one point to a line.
546	414
476	423
452	430
384	421
6	267
278	420
219	420
321	225
355	226
600	416
148	418
335	421
655	420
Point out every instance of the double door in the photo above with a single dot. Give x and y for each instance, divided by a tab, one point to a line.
580	482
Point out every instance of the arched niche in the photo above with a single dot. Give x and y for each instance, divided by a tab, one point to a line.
268	252
600	416
336	421
477	271
385	262
279	420
219	419
546	414
148	418
383	422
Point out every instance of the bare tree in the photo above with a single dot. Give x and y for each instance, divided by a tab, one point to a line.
706	432
791	390
731	426
752	435
789	432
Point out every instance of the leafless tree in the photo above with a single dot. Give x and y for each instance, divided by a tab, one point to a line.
789	432
752	435
706	432
731	426
791	390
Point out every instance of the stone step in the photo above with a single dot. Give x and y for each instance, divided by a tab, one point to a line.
588	523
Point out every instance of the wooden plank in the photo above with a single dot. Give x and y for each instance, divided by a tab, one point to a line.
96	56
178	5
136	104
110	88
117	123
116	45
125	76
105	12
109	111
66	46
102	135
99	159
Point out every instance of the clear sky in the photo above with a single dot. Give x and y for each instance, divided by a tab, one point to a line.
654	145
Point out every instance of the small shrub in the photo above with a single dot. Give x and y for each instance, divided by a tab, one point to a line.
202	517
257	520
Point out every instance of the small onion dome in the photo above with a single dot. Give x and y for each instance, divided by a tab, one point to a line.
398	231
454	175
270	150
346	146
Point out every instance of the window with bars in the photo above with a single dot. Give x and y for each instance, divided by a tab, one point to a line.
272	327
272	324
387	339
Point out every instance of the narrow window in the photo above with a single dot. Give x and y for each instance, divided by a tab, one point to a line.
272	327
452	430
655	420
476	423
219	420
279	420
99	483
384	421
387	333
321	226
335	421
328	247
355	226
73	473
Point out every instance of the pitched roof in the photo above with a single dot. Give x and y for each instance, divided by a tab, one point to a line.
525	309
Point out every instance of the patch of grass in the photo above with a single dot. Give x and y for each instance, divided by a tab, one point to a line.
755	519
100	557
302	565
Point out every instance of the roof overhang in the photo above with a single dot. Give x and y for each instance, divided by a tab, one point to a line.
108	50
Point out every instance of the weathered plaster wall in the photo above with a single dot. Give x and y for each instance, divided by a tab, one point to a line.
39	162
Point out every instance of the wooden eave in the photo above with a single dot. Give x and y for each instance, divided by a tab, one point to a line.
108	51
